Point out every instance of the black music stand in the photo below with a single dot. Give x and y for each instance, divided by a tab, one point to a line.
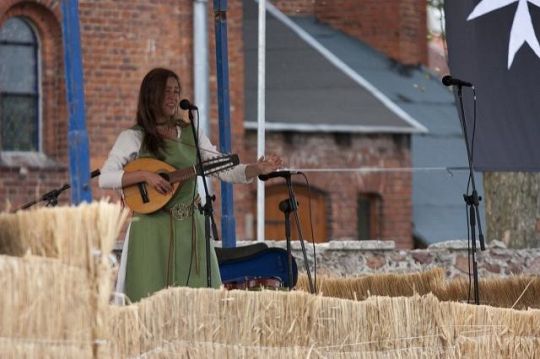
51	197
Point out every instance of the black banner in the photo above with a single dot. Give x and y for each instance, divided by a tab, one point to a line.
494	45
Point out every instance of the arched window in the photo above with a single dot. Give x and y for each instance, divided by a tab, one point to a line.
19	90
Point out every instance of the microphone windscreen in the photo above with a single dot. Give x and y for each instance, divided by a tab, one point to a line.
185	104
447	80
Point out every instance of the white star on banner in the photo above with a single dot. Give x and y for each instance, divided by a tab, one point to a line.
522	28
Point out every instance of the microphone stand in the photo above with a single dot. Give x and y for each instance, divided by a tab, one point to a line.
52	196
207	210
472	202
288	206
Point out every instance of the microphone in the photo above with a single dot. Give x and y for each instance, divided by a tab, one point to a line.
275	174
451	81
186	105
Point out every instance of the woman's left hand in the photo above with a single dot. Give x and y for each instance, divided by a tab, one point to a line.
264	165
268	164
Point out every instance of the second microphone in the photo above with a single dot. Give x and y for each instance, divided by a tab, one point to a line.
283	174
186	105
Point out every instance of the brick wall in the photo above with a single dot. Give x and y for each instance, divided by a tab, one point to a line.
396	27
295	7
21	184
359	151
121	42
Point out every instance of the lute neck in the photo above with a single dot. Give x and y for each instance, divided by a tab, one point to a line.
182	174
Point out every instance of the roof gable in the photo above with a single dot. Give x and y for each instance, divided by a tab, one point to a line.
308	88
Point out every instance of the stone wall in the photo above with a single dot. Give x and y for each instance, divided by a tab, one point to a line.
353	258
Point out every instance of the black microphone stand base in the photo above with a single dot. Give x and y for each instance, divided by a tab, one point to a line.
472	201
207	209
288	206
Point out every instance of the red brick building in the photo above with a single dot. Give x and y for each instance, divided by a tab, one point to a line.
122	40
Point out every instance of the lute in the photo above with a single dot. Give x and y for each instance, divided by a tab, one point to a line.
143	198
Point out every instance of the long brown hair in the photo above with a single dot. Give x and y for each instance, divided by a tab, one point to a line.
149	108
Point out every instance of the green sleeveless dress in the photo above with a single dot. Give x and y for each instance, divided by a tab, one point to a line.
167	247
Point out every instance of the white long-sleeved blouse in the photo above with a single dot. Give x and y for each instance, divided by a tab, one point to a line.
126	149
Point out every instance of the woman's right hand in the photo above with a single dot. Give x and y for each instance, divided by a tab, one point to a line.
159	183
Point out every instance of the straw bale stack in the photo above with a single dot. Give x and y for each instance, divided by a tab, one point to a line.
209	323
56	292
56	280
519	292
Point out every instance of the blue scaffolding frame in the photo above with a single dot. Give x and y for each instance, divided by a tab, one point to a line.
79	162
228	222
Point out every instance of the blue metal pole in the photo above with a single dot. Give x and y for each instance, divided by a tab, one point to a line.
228	222
79	164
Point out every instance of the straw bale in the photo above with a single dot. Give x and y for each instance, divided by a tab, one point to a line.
178	313
276	319
262	318
494	347
460	318
217	350
125	330
520	292
183	349
17	349
72	234
383	323
389	284
44	298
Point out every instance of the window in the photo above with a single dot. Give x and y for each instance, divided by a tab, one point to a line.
369	216
19	90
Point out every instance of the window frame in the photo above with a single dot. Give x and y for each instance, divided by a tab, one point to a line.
37	88
375	215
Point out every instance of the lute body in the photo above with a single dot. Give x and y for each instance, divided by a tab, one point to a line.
143	198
